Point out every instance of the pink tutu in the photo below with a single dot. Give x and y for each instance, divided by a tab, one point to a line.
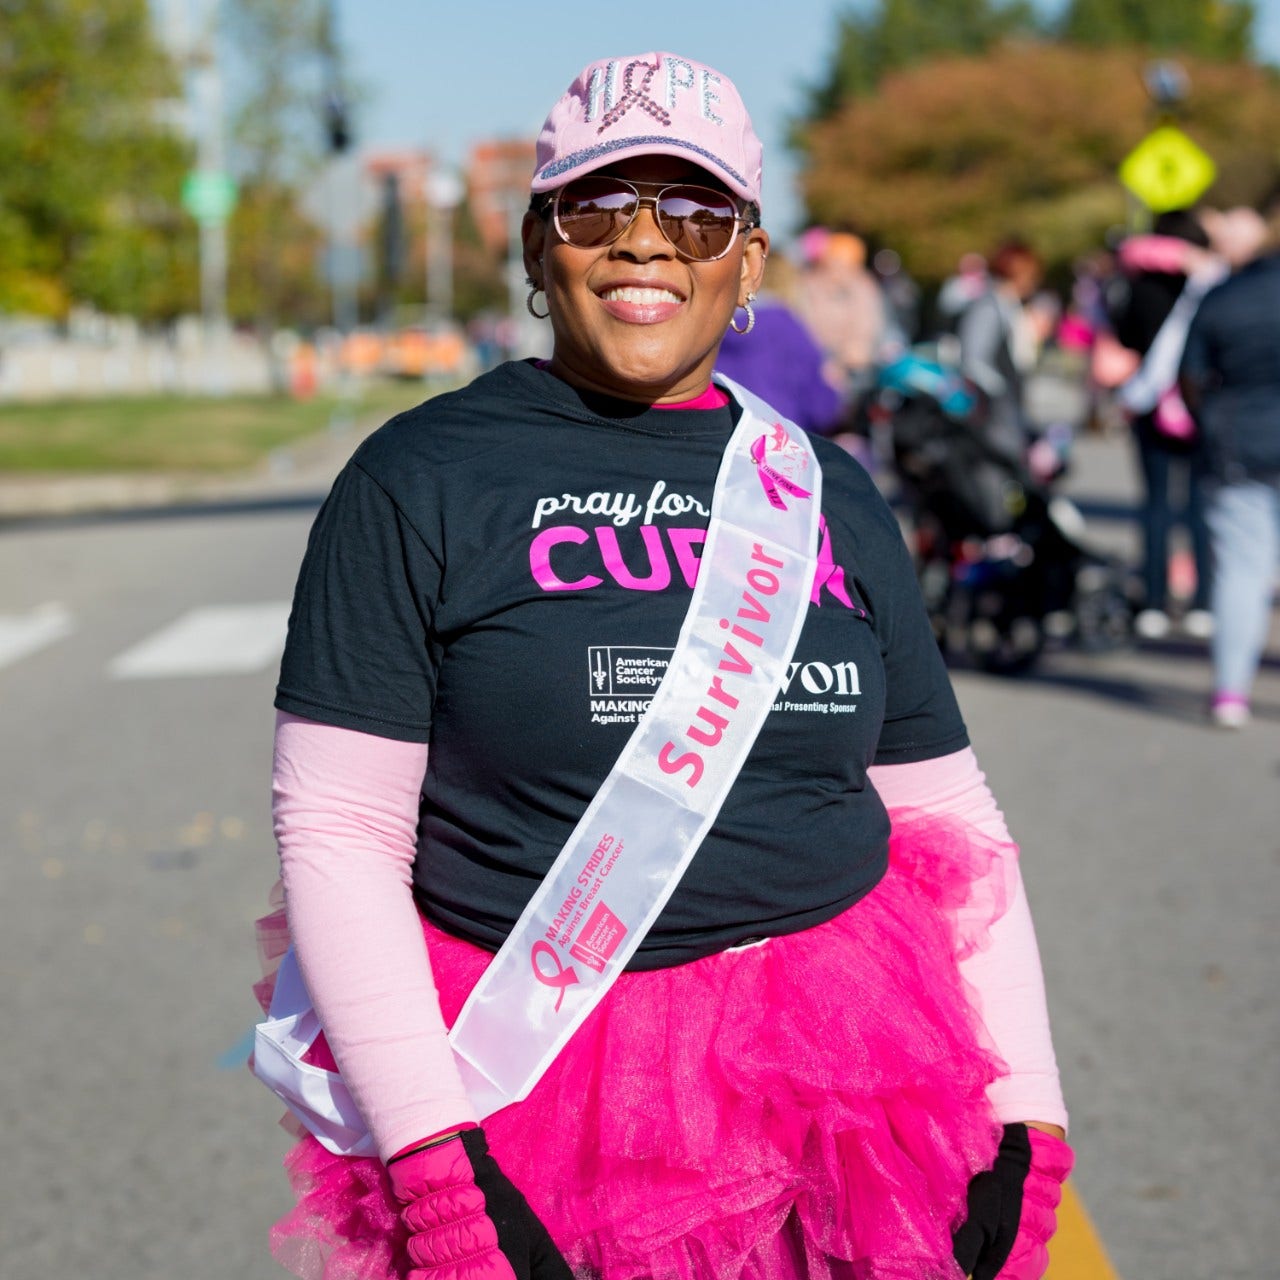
812	1107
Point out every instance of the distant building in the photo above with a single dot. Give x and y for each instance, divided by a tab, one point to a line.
409	167
498	174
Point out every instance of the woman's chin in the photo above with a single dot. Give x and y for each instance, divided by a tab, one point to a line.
656	372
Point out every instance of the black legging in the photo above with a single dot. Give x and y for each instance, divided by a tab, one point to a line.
1167	464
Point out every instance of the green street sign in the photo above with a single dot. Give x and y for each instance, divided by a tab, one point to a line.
1166	170
209	197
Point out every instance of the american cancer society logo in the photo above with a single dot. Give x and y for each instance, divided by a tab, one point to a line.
622	680
600	938
625	671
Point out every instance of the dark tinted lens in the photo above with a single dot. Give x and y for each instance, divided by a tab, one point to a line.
594	211
699	222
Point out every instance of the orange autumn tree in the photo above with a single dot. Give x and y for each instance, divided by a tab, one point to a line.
954	154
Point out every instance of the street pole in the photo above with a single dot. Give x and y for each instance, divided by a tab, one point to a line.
189	29
343	275
206	89
443	192
439	283
341	255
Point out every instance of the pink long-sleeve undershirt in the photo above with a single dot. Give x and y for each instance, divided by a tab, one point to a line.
345	806
346	810
1005	980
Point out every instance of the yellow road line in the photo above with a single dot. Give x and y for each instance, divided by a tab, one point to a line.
1076	1252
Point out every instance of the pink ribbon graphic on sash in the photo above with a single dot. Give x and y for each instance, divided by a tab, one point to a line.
771	478
633	97
564	975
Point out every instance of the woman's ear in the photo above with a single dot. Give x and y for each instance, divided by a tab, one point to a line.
754	253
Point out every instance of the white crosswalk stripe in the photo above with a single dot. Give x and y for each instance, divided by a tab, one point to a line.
23	634
215	640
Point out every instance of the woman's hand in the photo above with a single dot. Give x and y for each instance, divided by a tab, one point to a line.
466	1219
1012	1209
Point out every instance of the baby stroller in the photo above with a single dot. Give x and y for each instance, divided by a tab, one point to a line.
1001	564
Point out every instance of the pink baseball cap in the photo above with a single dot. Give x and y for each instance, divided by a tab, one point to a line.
653	103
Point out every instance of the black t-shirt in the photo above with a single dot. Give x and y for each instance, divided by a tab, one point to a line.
502	572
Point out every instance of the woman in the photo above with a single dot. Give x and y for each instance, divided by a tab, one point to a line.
1158	268
780	360
1230	380
997	346
845	307
792	1077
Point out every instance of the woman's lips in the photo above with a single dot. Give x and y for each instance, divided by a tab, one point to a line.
640	304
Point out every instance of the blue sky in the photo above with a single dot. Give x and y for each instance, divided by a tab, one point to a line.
443	74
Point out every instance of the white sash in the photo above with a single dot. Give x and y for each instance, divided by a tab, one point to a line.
642	829
1158	371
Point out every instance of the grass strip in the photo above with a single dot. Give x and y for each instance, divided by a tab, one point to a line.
181	433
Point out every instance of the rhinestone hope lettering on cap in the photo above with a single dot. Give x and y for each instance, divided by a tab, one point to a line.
656	101
677	81
709	96
633	96
604	100
602	91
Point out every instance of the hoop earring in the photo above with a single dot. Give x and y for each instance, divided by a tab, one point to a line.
534	290
751	317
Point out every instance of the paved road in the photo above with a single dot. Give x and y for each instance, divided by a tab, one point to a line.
133	814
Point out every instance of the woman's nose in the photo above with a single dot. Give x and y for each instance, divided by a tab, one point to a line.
643	238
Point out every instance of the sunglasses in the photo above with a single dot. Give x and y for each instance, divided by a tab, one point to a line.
700	223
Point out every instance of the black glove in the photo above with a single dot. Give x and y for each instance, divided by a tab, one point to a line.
452	1228
982	1243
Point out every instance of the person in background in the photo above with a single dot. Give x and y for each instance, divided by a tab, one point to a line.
997	344
1156	269
969	281
1087	329
902	303
841	302
828	1054
778	358
1230	379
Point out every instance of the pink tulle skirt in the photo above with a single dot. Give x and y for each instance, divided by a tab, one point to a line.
812	1107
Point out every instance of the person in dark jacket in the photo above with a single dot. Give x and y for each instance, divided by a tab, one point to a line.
997	344
1170	464
1230	378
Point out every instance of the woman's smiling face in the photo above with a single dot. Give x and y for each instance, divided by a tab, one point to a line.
634	319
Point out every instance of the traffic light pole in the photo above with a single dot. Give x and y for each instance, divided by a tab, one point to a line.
206	90
343	279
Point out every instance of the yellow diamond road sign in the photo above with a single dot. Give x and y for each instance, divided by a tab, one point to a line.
1166	170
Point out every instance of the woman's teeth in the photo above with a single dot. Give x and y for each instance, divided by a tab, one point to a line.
630	293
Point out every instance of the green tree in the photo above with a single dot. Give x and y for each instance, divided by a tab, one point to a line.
90	169
1207	28
284	60
479	278
955	154
896	34
268	224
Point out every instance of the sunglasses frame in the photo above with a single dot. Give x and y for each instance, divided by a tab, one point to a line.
657	190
